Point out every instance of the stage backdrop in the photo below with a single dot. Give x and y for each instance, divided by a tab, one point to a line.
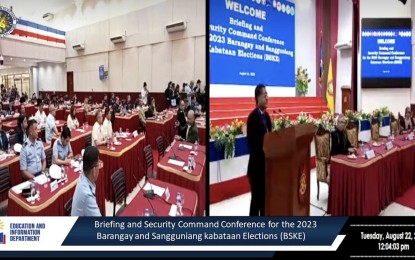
252	42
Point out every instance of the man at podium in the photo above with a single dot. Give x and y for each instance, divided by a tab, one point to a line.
258	124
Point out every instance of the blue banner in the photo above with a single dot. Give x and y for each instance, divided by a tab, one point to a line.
213	231
251	42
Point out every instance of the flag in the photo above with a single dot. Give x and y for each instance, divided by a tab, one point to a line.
39	33
330	90
320	77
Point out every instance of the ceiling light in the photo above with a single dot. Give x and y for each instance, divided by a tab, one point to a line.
24	59
11	58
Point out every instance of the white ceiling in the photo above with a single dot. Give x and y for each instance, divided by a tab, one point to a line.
69	15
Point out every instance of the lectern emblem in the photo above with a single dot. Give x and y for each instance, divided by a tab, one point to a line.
302	186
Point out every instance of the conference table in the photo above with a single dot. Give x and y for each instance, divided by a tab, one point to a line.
78	137
129	155
364	187
160	205
129	121
172	173
51	203
161	126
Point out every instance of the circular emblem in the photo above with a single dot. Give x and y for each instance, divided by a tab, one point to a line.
7	21
303	184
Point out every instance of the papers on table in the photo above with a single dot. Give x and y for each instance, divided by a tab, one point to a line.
173	210
156	189
41	179
80	130
175	162
185	146
18	188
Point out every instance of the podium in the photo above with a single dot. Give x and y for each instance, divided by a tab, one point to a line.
287	171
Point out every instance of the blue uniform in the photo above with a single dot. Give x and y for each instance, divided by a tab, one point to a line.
60	150
31	157
84	202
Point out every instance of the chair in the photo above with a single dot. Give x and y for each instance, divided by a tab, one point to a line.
374	127
88	140
5	185
148	153
12	139
49	154
352	134
68	207
322	145
119	189
160	147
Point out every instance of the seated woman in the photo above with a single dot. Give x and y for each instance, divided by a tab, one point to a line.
407	123
21	129
340	144
72	122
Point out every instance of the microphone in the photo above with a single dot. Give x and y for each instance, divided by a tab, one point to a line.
153	213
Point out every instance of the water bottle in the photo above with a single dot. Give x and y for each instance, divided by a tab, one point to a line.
62	172
193	162
179	204
147	213
189	163
32	189
120	130
108	143
196	147
9	149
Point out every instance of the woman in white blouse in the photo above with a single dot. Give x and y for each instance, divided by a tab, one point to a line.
107	122
72	121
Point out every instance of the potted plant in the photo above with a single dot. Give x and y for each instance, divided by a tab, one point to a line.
302	81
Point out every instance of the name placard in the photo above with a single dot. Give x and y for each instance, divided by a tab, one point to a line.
54	185
370	154
411	136
389	145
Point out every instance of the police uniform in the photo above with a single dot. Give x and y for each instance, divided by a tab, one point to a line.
60	150
31	157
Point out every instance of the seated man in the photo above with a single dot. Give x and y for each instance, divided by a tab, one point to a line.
84	201
192	134
99	134
4	142
50	128
32	155
62	150
340	144
40	115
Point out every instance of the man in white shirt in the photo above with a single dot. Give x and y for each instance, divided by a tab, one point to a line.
144	93
40	115
50	127
107	122
99	134
189	92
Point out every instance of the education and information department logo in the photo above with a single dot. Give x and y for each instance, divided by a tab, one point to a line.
7	21
2	235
